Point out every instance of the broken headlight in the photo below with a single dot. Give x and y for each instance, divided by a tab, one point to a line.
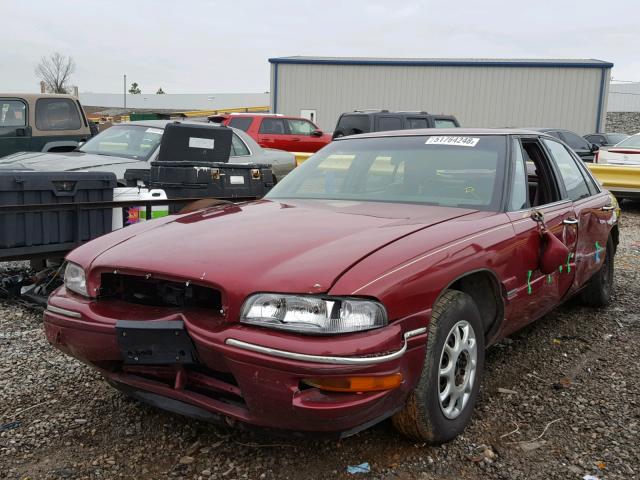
312	315
74	279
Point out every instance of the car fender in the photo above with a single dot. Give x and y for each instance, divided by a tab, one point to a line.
407	278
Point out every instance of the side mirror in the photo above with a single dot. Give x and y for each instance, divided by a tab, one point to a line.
594	148
317	133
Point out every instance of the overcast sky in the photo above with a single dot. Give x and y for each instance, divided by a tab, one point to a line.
210	46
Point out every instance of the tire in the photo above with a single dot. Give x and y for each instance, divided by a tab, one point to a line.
424	417
599	289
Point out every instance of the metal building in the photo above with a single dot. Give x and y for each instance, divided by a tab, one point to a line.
624	97
569	94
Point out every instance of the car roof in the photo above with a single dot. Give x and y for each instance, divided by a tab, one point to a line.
444	132
34	96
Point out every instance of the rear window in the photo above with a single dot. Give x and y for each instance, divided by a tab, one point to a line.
353	124
57	114
242	123
444	123
455	171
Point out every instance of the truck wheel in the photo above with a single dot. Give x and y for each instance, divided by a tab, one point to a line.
599	289
441	405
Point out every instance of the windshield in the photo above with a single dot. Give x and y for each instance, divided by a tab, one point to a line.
457	171
129	141
631	142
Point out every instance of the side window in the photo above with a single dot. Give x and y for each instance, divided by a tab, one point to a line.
300	127
444	123
417	123
574	182
540	179
13	113
238	147
241	123
57	114
574	141
389	123
273	126
519	188
353	124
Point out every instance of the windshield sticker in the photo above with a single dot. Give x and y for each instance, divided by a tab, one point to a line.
195	142
157	131
449	140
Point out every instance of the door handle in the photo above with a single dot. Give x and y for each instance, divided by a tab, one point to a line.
570	221
608	208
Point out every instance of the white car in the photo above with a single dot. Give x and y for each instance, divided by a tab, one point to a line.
627	152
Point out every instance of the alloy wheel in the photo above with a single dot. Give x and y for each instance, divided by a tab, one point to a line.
457	370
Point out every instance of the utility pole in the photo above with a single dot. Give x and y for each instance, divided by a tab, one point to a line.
125	91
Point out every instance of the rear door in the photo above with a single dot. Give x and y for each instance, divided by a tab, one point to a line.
593	212
274	133
15	134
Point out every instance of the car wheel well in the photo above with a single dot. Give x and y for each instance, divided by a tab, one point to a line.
485	290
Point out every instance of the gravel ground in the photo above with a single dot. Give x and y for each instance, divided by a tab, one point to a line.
560	400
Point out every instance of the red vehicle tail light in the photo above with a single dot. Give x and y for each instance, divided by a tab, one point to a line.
595	157
356	384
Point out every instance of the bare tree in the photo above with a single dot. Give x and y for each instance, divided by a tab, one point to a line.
55	71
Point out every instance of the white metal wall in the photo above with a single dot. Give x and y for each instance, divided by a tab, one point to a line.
477	96
624	97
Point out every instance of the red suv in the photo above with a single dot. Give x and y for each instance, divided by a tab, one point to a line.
293	134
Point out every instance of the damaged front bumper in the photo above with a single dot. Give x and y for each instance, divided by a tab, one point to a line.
248	374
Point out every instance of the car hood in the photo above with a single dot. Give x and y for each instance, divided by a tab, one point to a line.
59	161
284	246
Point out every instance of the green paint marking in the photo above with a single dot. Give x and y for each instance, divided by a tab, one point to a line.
560	268
569	264
548	278
598	249
529	273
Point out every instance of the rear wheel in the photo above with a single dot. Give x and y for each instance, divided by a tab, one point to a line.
599	290
442	404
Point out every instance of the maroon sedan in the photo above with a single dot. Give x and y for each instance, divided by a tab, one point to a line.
366	285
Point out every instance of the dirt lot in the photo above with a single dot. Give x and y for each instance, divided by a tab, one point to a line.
574	411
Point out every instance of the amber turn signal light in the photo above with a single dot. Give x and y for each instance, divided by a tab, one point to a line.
356	384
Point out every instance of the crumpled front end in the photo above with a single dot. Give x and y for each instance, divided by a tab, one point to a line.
175	345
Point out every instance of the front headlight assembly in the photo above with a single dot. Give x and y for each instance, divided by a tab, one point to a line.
74	279
311	314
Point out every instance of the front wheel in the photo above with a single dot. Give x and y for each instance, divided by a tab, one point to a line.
599	290
442	404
